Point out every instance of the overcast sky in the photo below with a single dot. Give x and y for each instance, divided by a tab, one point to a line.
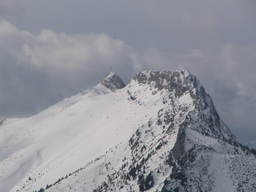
51	49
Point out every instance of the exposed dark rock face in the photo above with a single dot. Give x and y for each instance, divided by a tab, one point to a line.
182	83
145	183
178	81
113	82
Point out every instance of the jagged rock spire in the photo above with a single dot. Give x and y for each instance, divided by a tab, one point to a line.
178	81
113	82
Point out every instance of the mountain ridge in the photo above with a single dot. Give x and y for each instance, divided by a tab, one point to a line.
160	132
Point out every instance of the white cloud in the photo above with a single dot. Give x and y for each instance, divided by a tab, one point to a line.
66	52
61	52
56	63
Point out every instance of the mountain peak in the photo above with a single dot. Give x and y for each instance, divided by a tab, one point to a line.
112	81
183	88
178	81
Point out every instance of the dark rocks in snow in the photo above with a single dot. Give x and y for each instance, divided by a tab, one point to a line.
113	82
2	121
41	190
175	81
146	182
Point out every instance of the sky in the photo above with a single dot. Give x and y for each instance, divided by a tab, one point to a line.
52	49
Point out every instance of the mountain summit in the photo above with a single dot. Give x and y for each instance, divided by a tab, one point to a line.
113	82
159	133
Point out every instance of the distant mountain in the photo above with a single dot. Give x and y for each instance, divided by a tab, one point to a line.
158	133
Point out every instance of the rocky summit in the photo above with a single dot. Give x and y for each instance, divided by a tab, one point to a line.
159	133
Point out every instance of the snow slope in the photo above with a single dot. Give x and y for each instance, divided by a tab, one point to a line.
161	132
67	135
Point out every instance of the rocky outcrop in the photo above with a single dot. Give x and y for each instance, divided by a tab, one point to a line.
113	82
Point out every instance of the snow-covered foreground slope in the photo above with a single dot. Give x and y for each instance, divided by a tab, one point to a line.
161	132
68	135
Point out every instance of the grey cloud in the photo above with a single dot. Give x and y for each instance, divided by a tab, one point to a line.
175	24
41	69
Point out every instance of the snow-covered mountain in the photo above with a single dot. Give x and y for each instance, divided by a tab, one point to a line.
160	132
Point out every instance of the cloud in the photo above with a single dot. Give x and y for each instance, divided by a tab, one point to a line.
37	70
176	24
75	52
58	52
